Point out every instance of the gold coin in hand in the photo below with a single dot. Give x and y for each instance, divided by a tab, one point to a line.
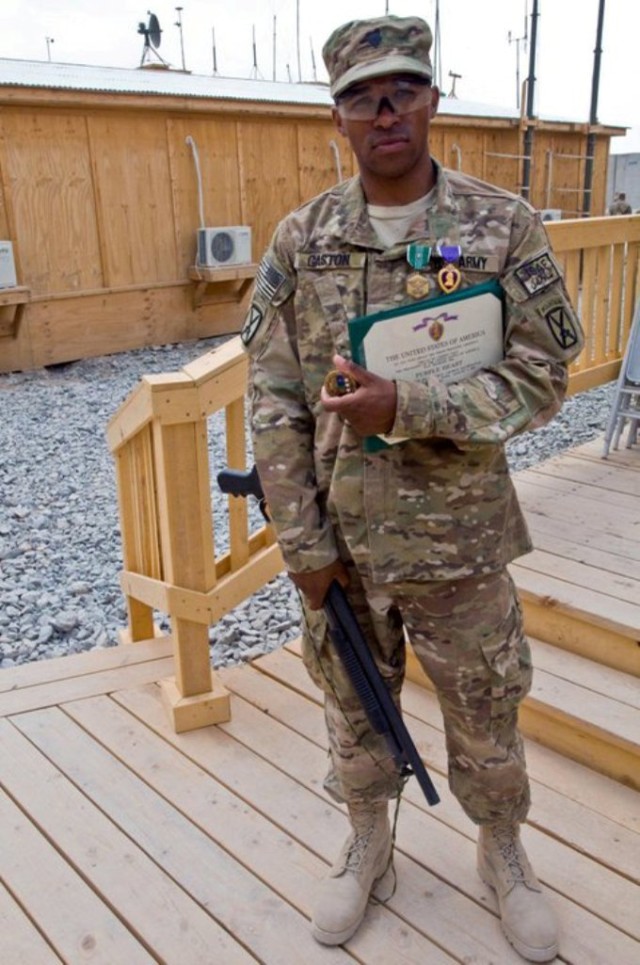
337	383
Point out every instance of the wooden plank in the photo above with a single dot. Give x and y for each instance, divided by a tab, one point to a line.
619	457
557	484
564	567
134	197
558	862
80	664
74	921
459	925
618	687
598	799
98	828
597	559
577	878
268	850
48	694
617	516
47	164
19	939
588	605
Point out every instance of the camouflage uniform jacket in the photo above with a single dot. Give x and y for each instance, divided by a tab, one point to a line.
440	505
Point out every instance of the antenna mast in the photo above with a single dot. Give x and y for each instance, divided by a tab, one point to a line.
313	61
517	41
213	51
178	24
274	46
298	39
255	73
49	41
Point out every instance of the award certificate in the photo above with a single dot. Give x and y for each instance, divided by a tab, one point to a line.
449	337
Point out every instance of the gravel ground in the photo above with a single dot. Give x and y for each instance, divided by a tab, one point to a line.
60	550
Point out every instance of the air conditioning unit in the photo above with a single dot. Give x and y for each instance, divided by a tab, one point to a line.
551	214
224	247
7	266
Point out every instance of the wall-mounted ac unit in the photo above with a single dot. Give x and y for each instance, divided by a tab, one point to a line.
551	214
7	266
224	247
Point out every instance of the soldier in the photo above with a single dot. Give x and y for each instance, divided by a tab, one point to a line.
420	532
620	205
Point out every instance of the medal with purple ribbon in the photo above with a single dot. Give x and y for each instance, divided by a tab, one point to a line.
449	276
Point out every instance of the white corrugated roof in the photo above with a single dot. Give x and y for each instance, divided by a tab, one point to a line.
118	80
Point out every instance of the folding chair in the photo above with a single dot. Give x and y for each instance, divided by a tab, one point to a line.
626	401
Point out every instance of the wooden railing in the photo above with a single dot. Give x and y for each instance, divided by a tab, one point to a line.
600	259
160	443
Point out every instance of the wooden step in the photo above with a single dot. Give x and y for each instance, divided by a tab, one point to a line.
587	712
577	617
580	587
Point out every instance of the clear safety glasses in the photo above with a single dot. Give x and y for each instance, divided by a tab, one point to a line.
365	101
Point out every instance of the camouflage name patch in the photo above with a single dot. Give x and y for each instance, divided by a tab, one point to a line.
488	263
538	274
317	260
562	327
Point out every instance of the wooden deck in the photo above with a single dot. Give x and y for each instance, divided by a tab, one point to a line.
123	842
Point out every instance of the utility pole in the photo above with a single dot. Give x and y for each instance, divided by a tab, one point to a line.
531	83
49	41
593	115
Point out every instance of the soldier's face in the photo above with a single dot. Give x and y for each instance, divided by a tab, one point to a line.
393	143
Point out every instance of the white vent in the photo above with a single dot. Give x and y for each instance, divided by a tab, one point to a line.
224	247
551	214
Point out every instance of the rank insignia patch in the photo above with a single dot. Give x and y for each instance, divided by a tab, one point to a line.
561	327
251	324
537	274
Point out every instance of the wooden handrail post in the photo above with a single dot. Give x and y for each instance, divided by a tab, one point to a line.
193	697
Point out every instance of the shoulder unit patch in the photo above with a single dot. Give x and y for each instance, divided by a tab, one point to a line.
562	327
538	274
252	323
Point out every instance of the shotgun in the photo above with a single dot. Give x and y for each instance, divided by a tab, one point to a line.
354	652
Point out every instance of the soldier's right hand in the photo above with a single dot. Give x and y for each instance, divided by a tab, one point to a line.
314	585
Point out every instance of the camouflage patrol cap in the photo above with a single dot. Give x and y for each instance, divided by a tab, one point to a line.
369	48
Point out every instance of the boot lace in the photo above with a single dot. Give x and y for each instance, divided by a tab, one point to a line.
511	855
357	850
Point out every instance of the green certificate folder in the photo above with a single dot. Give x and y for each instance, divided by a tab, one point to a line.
449	337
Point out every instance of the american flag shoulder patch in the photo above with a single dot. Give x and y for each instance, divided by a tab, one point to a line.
268	280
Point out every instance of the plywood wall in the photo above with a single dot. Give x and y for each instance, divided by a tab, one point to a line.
101	203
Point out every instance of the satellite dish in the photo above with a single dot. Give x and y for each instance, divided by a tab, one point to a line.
152	36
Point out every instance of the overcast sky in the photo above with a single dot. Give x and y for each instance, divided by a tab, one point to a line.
474	42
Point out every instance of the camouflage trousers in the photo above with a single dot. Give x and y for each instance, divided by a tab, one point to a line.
467	635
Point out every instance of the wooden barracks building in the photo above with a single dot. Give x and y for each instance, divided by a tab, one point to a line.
100	197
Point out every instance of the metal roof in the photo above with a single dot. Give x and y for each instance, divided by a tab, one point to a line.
163	82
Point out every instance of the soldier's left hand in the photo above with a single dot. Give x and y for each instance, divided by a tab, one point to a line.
371	409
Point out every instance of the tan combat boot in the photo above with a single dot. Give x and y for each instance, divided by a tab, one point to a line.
364	859
527	919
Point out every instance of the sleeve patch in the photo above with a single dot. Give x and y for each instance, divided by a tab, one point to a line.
252	323
268	281
562	327
537	275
